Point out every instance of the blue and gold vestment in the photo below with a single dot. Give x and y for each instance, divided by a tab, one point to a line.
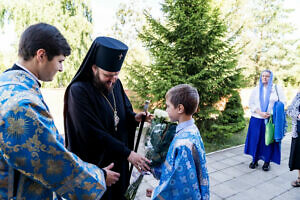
31	146
183	175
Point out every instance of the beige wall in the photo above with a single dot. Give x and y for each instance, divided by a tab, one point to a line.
55	101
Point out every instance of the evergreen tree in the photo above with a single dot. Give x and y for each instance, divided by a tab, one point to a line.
188	47
230	122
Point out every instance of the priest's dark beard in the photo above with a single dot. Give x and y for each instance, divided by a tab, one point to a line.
100	85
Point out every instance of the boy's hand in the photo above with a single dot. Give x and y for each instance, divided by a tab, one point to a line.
111	176
149	192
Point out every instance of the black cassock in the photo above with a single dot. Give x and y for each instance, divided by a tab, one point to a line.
90	131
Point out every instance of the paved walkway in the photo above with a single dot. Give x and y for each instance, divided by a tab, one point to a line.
232	179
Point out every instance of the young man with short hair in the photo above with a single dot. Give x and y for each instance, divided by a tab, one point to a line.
34	164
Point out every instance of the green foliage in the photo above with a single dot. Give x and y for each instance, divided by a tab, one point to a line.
266	39
72	17
230	121
270	44
235	140
133	188
130	18
189	47
272	49
160	136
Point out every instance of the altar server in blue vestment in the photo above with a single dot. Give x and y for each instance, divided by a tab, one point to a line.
34	164
183	175
261	103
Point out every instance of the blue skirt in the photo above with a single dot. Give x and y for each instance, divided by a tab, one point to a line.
255	143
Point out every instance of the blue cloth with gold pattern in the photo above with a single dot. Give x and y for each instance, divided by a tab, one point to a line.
184	174
31	146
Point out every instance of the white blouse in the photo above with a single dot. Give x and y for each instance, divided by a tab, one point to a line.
254	103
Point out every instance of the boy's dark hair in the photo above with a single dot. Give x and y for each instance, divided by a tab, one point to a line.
186	95
43	36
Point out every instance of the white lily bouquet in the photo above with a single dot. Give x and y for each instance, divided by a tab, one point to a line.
157	141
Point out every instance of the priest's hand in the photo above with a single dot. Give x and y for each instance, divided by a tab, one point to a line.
111	176
149	116
140	162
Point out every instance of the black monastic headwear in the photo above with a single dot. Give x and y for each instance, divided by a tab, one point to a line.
106	53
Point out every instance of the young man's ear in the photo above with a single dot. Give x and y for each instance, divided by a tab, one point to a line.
180	108
41	55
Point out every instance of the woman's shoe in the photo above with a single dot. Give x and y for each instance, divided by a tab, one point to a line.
253	165
296	183
266	166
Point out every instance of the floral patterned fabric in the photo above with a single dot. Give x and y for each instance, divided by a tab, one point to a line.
31	145
293	112
184	174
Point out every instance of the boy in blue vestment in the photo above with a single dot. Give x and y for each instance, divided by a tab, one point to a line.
183	175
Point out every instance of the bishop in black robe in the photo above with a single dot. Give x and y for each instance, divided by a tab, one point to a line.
90	130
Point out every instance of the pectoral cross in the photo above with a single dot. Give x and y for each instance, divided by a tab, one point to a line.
120	56
116	120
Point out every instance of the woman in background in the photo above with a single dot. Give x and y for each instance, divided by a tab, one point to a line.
261	104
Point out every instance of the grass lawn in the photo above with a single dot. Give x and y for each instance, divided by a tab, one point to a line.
236	139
